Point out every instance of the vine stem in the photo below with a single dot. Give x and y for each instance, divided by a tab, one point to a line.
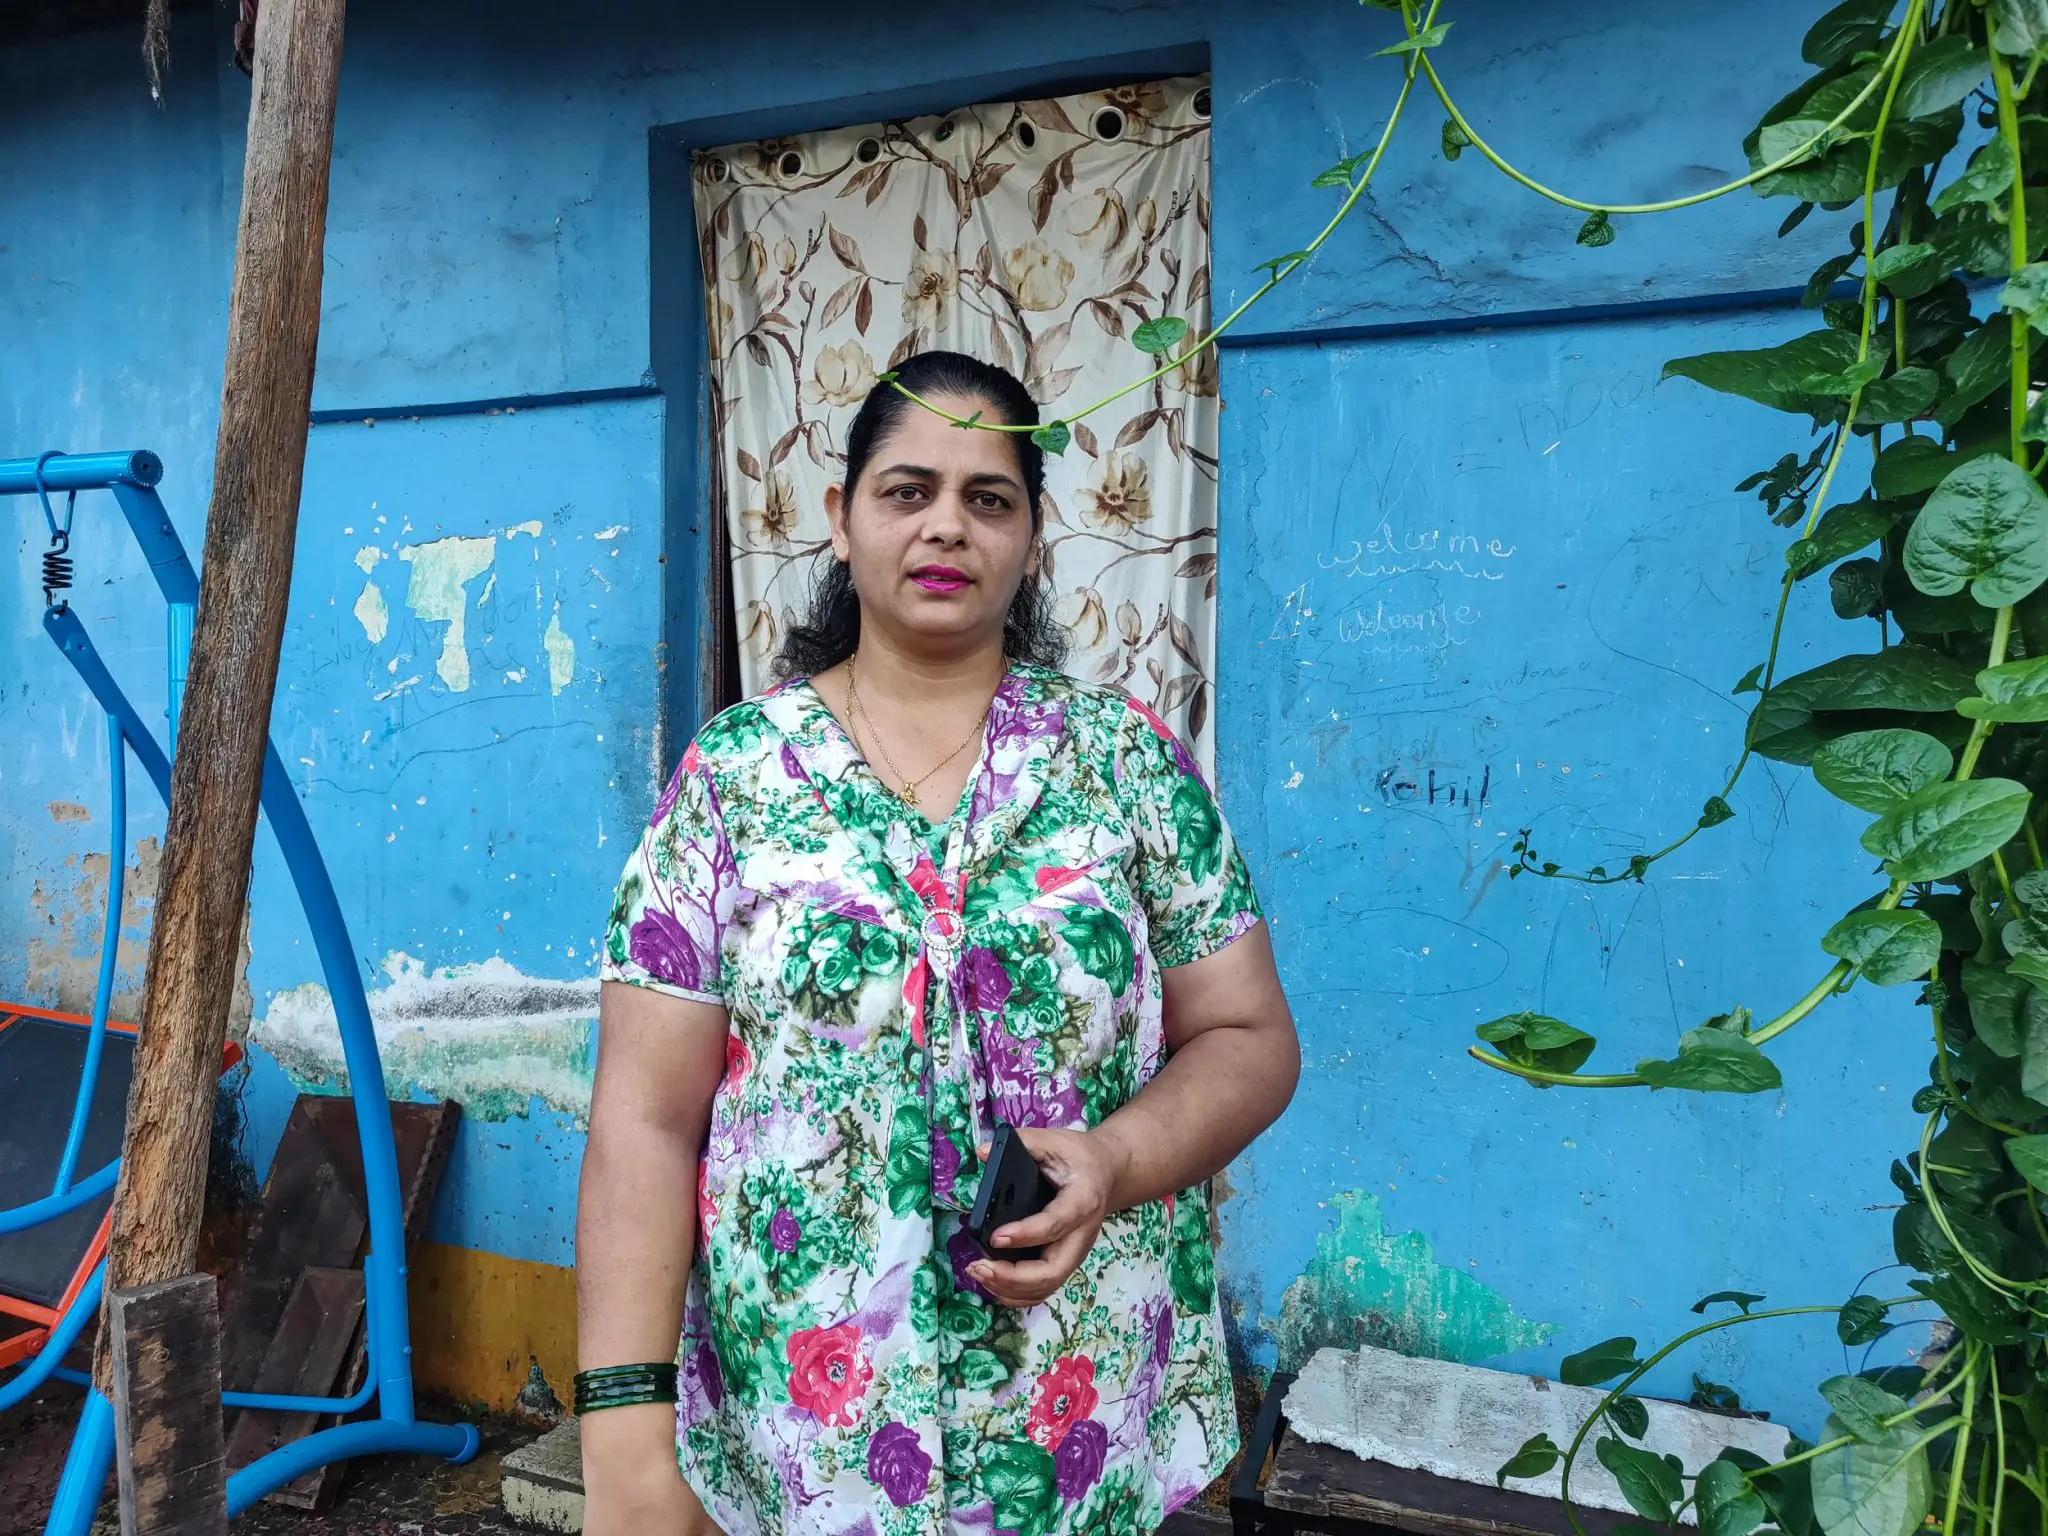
1282	269
1901	40
1893	73
1961	1452
2009	130
1820	992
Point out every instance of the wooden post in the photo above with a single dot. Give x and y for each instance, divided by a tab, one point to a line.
266	393
169	1456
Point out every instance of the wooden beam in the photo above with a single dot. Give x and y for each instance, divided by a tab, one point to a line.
266	393
169	1456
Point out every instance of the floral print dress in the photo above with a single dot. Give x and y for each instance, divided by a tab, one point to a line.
895	991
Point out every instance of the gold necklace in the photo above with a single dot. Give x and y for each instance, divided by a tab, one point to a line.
908	793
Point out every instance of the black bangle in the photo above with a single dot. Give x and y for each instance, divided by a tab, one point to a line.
625	1386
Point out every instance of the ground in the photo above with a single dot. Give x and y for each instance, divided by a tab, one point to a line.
383	1496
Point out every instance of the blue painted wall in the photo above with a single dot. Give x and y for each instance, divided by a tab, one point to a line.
489	240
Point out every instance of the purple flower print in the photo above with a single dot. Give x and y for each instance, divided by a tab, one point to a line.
988	983
662	947
784	1231
1159	1324
898	1465
945	1165
1077	1464
709	1378
1023	1094
961	1250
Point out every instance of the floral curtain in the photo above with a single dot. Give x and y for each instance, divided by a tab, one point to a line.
1037	235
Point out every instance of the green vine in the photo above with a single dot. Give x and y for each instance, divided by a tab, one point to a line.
1940	734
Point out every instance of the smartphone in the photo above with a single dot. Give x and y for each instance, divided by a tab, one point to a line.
1012	1187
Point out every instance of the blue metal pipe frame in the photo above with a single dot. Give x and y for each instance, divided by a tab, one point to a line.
132	478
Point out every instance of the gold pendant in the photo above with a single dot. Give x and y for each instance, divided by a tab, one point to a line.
910	796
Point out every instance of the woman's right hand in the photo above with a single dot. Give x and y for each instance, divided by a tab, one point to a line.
631	1484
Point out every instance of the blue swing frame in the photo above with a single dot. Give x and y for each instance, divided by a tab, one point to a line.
132	478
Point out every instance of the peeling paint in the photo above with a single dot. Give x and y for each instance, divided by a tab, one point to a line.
486	1035
372	613
1368	1286
68	810
64	958
561	653
367	558
531	528
441	570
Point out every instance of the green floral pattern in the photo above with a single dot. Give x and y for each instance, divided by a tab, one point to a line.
894	991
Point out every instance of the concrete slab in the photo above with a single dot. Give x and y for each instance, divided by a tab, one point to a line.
542	1484
1462	1422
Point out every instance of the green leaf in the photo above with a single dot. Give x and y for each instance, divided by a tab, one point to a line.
1862	1321
1454	140
1630	1416
1752	680
2027	294
1890	947
1856	589
1536	1457
1770	375
2034	1049
2029	1155
1053	437
2032	887
1837	177
1941	75
1983	1314
1914	465
2034	429
1726	1504
1908	270
1862	1406
1806	137
1871	1490
1649	1482
1713	1061
1946	828
1161	335
1908	677
1715	811
2022	25
1427	38
1537	1040
2032	969
1877	771
1824	278
1340	174
1987	178
1597	230
1905	396
1978	367
1795	218
1280	266
1845	31
2014	693
1599	1363
1743	1299
1985	527
1994	994
1841	531
1841	386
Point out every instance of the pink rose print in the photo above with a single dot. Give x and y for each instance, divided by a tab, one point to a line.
828	1374
1062	1398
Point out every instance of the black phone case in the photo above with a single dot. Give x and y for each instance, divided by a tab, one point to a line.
1012	1188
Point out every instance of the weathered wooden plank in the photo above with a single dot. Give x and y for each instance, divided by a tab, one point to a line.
1329	1484
425	1135
164	1344
314	1339
259	459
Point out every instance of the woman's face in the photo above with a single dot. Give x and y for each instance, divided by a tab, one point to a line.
938	533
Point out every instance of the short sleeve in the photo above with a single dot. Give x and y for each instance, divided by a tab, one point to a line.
1194	884
675	896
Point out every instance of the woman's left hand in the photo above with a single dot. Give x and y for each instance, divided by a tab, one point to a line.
1085	1166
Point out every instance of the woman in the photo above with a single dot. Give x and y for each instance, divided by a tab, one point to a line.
925	887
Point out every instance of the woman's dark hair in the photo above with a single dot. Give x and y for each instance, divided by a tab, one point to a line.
831	627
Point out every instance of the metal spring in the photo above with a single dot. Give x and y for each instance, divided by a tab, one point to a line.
57	568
